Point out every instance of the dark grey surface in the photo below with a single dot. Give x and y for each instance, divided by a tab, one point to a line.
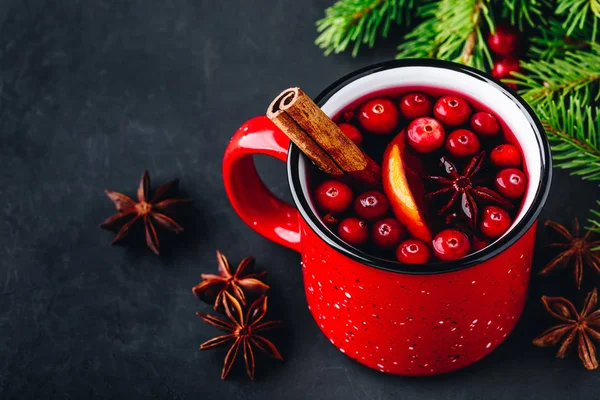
94	92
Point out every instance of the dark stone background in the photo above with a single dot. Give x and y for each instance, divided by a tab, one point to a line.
95	91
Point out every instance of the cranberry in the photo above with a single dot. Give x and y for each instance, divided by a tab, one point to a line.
505	156
333	196
511	183
485	124
348	115
330	220
451	244
462	143
425	134
413	251
503	67
415	105
495	222
452	110
371	205
378	116
387	233
505	40
352	132
479	243
353	231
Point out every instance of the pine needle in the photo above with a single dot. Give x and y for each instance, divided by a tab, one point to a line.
573	131
452	31
525	12
595	223
577	13
577	73
552	41
357	22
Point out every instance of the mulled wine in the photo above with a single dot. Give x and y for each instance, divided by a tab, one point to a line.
453	177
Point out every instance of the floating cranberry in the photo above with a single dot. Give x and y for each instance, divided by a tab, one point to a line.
506	156
378	116
511	183
413	251
452	110
462	143
371	205
485	124
425	134
333	196
387	233
353	231
451	244
352	132
415	105
505	66
495	222
505	40
330	220
348	115
478	243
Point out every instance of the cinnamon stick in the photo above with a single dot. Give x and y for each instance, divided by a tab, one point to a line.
321	139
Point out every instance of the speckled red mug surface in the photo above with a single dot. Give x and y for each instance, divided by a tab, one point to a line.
408	320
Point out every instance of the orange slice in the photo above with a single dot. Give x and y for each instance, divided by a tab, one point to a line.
404	188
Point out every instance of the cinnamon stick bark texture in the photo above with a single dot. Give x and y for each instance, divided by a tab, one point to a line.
320	138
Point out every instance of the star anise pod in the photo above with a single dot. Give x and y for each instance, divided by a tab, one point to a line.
583	327
463	188
213	287
149	210
242	332
575	249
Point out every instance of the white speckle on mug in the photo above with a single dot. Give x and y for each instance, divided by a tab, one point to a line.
348	295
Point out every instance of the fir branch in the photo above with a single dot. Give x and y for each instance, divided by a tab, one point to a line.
357	22
578	73
521	12
577	13
573	131
553	41
451	31
595	223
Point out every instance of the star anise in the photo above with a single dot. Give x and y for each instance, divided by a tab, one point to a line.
464	189
583	326
242	332
213	287
575	249
146	209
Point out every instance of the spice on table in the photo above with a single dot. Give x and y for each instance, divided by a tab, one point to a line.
149	210
213	287
580	328
576	250
242	333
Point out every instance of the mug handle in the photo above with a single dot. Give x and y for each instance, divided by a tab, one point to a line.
256	205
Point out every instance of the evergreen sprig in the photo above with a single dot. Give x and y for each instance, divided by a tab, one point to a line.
524	12
577	13
451	30
595	222
573	131
358	22
553	41
577	73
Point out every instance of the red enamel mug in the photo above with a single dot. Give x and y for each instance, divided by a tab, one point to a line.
400	319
